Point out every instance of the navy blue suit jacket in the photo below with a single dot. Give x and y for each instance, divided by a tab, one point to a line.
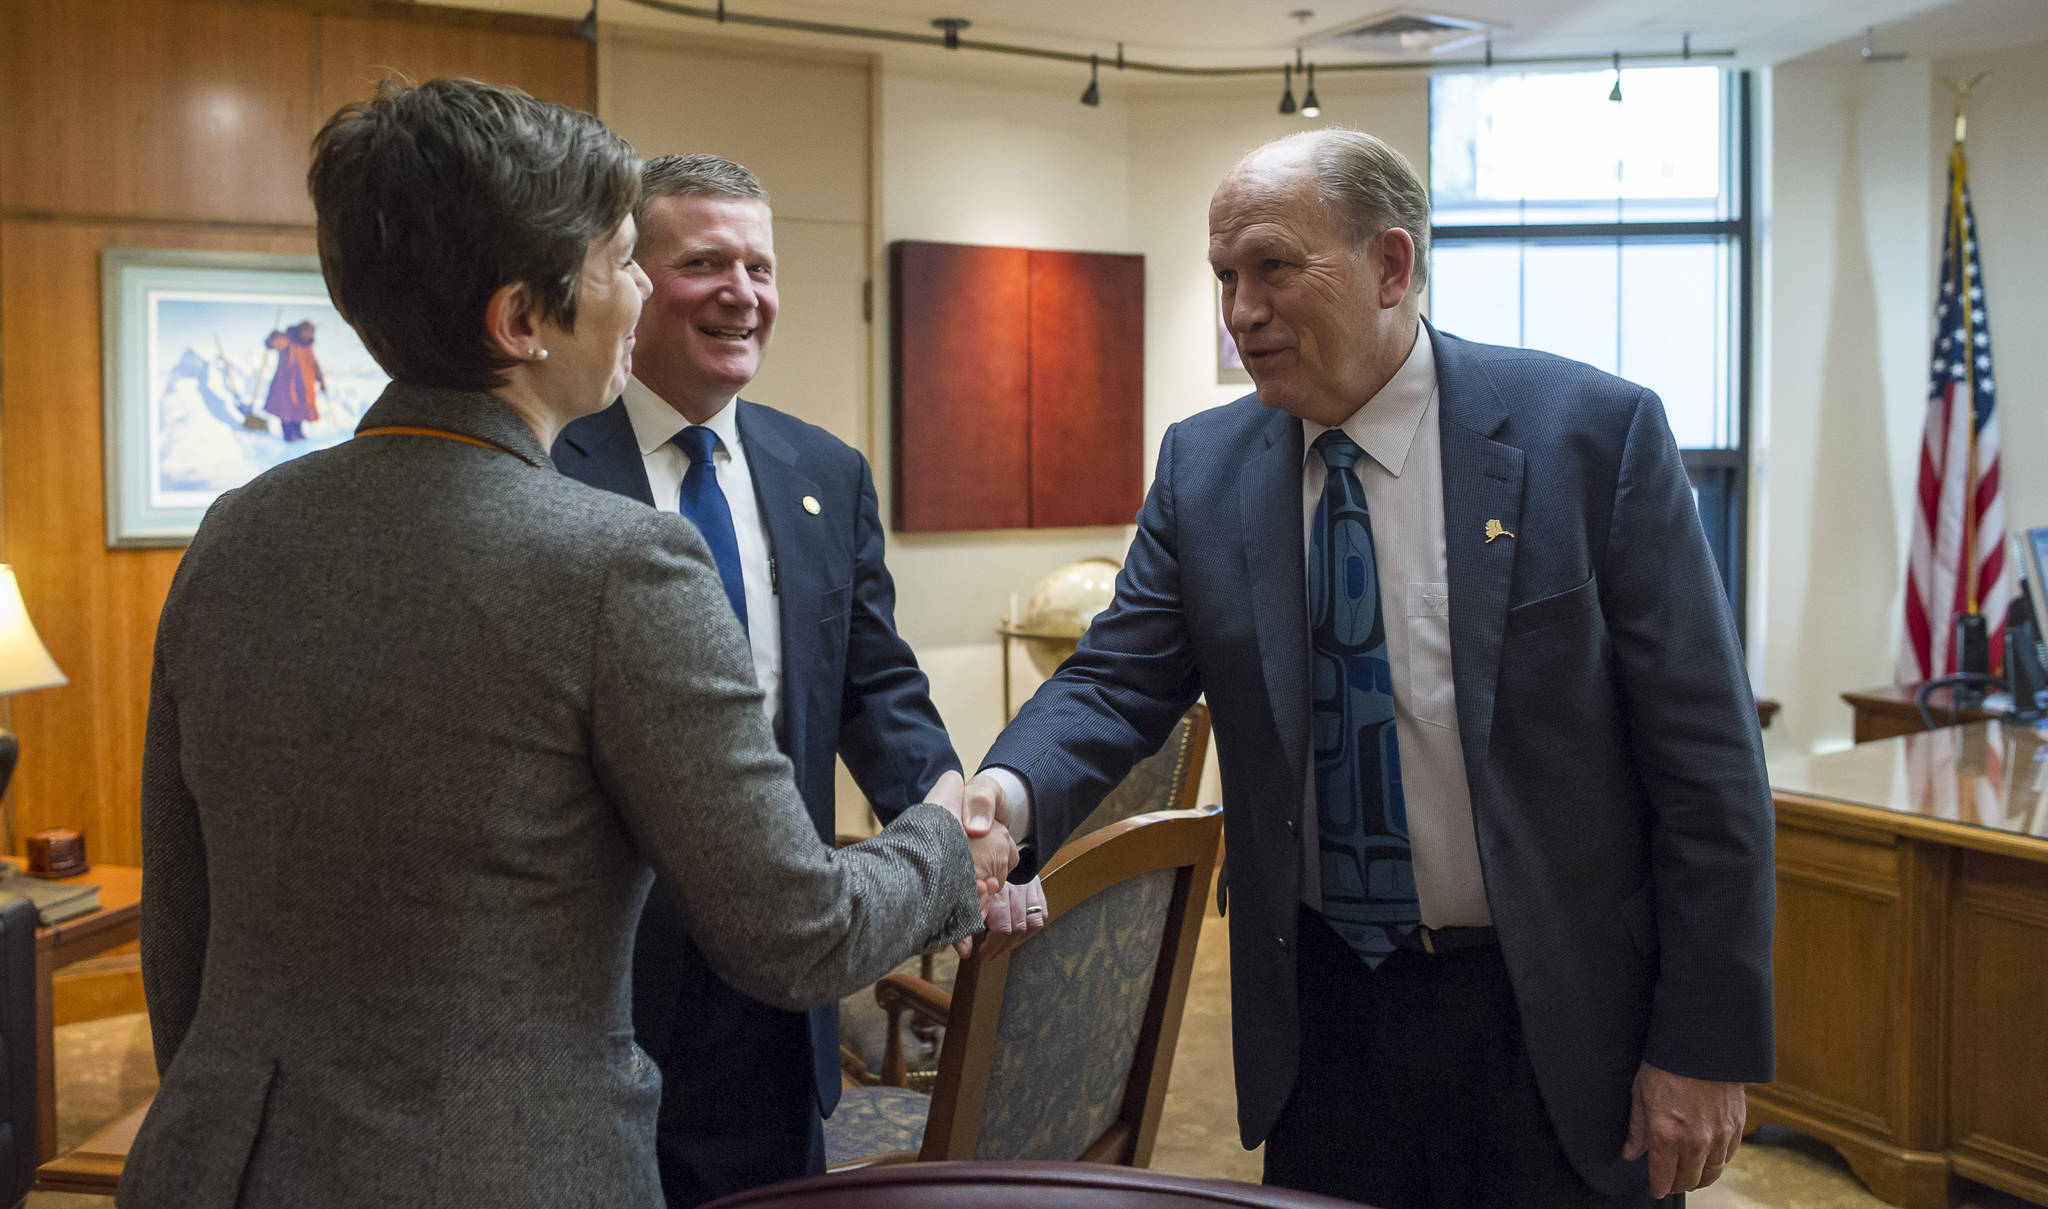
1610	737
850	685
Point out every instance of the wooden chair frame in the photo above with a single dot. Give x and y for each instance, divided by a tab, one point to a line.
1187	842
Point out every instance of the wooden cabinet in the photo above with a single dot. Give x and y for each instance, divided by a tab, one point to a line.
1912	960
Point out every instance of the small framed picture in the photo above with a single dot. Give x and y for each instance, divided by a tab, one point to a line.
217	367
1229	366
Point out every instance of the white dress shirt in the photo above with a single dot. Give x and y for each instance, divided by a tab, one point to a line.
655	425
1403	477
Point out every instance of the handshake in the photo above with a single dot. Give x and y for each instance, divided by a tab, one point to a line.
1012	912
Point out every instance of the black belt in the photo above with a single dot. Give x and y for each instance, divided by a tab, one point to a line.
1425	939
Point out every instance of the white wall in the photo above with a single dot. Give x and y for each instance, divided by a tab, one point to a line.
2008	147
1853	205
985	159
1845	312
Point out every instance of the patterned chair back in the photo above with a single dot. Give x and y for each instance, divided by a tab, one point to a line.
1060	1049
1168	779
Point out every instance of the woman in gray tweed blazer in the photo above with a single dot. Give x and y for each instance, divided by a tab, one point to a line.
424	711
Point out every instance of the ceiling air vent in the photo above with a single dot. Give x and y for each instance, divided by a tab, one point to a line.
1406	32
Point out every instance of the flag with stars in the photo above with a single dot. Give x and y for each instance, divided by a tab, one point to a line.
1958	559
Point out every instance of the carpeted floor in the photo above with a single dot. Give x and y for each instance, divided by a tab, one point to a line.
105	1067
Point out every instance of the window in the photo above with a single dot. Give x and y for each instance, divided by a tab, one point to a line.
1612	232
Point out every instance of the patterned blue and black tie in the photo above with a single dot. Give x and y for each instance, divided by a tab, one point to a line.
1362	821
703	503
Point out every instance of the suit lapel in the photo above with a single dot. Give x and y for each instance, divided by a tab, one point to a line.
602	451
1269	495
793	539
1482	484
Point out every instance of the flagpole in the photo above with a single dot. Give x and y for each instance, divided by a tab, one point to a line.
1959	173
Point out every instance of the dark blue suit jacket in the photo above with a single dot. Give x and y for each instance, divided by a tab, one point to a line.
850	685
1610	736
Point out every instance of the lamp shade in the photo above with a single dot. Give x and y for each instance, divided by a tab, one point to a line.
24	664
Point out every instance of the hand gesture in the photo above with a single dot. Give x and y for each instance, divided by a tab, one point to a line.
994	852
1689	1128
1013	915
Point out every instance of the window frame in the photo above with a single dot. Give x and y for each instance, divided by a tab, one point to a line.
1720	476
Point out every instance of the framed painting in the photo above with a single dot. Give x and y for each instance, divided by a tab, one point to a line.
217	367
1230	368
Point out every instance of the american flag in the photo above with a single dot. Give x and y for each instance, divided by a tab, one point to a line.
1958	561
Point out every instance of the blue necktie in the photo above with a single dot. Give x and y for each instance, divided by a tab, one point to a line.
1362	822
703	502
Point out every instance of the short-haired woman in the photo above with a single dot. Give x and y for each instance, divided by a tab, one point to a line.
410	754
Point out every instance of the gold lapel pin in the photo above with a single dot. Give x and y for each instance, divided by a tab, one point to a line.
1496	529
812	506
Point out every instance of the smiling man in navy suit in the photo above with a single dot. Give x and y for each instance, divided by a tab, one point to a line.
789	513
1500	839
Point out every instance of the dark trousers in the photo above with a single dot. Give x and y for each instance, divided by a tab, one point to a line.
739	1099
1415	1090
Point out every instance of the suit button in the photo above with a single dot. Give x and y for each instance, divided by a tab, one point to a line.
1282	942
1292	826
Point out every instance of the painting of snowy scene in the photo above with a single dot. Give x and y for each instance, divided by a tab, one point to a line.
220	366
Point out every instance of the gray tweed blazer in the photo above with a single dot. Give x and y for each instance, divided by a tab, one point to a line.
422	714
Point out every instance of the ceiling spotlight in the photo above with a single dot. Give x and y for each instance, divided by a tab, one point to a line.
1310	107
1614	94
1092	96
952	27
1287	97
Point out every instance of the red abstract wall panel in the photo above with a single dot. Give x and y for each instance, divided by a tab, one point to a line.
1087	388
962	373
1020	387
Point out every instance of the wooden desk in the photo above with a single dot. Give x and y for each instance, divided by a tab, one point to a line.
1887	711
117	921
1912	960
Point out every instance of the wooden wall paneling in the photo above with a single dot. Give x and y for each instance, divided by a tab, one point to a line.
1999	1047
160	109
95	608
1087	428
356	52
960	328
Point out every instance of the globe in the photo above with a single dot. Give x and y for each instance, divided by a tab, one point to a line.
1059	609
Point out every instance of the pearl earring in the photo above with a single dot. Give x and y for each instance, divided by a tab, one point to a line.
538	354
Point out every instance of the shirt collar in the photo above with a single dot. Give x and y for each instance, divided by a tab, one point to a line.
655	423
1385	427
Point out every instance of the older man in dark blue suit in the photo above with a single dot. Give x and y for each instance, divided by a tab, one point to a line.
789	512
1500	840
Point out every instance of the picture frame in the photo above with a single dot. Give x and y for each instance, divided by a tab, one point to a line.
1230	368
216	366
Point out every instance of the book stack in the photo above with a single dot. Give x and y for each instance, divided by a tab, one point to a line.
55	901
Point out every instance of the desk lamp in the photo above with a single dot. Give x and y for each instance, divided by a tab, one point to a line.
24	665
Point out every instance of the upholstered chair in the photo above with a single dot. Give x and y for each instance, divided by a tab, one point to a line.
1059	1048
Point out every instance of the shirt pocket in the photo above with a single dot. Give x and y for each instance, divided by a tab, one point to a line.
1427	686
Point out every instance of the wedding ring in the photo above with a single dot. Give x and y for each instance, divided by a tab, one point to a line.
1034	910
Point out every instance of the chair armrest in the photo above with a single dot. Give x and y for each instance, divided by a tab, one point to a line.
900	993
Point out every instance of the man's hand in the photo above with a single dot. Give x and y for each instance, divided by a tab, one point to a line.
1689	1128
994	852
985	805
1013	915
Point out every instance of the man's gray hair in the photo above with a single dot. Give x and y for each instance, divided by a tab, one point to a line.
694	176
1371	187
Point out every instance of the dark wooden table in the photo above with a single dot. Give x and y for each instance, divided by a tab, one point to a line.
116	921
1912	960
1887	711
